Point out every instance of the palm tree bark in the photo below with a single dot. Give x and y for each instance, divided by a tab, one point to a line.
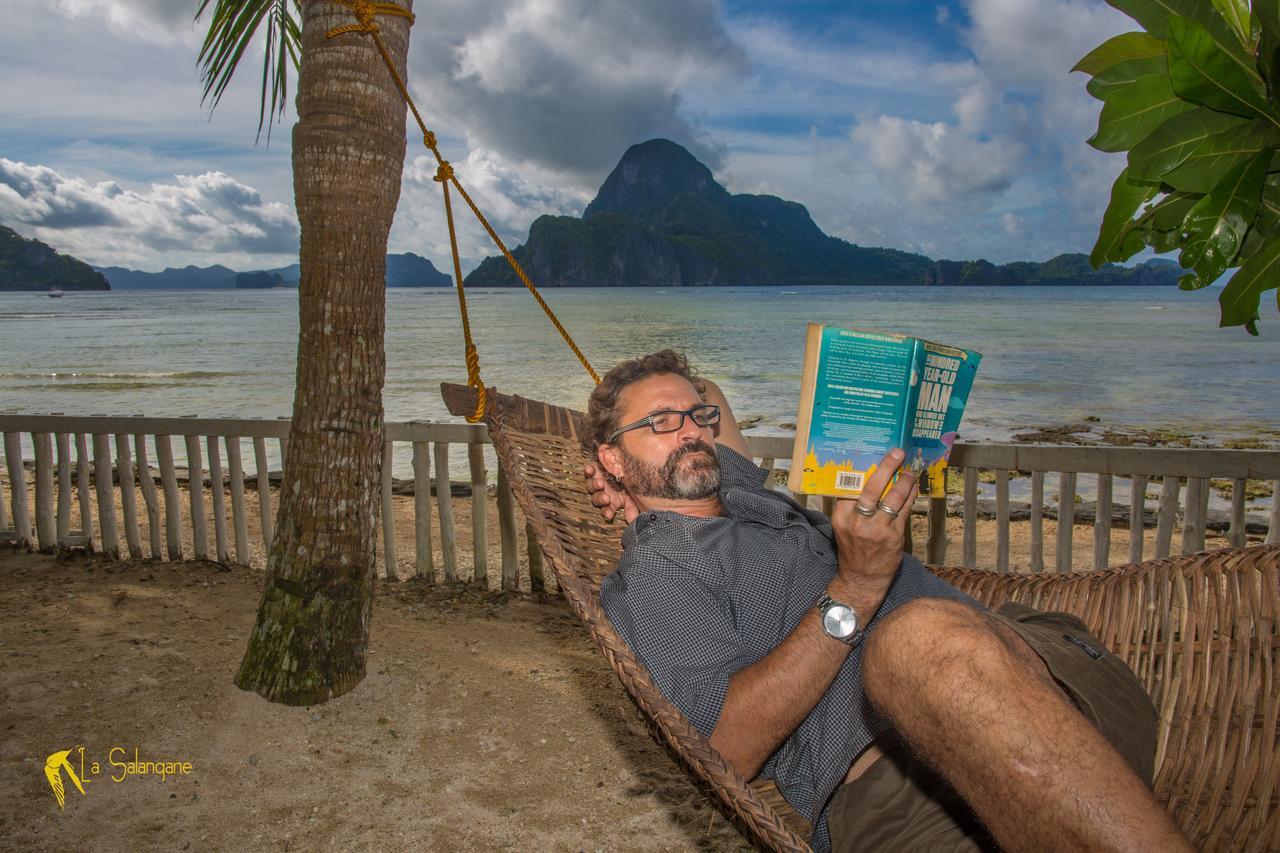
312	631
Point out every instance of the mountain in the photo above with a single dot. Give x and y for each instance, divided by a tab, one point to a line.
187	278
31	265
258	280
660	219
1063	271
404	270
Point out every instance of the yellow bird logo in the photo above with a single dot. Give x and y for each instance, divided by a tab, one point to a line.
53	767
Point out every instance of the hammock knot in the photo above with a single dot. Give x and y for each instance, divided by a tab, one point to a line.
429	139
444	172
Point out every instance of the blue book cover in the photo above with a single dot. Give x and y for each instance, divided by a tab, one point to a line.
863	393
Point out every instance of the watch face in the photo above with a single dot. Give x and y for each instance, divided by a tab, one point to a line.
839	621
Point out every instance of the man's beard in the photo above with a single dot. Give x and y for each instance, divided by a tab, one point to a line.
695	480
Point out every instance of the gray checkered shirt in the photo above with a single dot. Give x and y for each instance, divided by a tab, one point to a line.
698	599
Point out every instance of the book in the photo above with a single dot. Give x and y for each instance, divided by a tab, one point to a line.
863	393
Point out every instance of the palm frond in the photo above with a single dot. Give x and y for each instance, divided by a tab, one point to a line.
232	28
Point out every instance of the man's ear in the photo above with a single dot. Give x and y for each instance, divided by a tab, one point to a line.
610	460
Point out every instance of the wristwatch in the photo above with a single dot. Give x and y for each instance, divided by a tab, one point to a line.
839	621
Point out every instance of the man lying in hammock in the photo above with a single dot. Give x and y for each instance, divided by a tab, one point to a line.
891	709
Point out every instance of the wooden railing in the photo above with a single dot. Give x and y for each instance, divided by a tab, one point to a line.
114	455
106	463
1140	466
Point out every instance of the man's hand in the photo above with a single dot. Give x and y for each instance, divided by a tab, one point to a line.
869	542
606	497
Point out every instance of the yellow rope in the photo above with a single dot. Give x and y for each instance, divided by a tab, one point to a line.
365	12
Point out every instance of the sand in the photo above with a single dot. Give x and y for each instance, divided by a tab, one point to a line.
485	722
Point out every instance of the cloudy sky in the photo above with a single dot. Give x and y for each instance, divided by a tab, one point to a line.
949	128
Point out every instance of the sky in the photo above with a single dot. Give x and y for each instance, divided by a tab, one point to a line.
953	128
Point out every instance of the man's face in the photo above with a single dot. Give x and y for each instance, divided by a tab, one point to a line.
680	465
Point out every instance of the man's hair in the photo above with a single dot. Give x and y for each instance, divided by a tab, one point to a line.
603	410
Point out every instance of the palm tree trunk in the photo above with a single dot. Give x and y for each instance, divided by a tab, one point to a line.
348	151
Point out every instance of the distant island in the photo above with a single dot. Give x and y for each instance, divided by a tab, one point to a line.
31	265
403	270
662	220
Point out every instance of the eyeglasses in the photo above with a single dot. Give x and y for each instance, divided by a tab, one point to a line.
703	415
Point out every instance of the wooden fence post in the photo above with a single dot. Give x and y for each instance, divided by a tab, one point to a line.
264	491
507	533
239	519
148	486
444	503
1066	519
1137	516
172	509
479	514
388	514
128	497
970	517
64	490
217	500
195	494
18	488
1037	521
105	492
424	565
46	522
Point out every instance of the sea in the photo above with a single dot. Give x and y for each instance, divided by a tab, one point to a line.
1128	358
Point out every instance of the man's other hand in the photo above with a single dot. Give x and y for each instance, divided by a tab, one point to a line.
606	497
869	543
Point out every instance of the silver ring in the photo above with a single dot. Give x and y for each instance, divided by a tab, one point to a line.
865	511
888	510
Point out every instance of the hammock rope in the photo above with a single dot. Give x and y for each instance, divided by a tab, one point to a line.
365	12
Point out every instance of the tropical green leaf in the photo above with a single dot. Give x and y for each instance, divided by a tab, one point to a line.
1266	15
1104	83
1202	72
1191	281
1172	142
232	29
1160	225
1239	300
1218	221
1206	166
1126	198
1134	111
1121	48
1154	15
1236	14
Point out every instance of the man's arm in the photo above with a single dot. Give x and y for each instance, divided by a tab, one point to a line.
766	701
727	432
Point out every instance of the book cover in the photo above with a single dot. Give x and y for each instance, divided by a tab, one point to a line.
863	393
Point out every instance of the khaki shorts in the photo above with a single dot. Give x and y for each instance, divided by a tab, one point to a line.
899	804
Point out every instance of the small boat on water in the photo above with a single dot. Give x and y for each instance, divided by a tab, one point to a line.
55	292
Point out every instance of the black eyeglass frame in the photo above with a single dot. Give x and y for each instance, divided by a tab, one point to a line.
714	418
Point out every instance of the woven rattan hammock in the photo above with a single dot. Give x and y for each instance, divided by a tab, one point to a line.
1200	631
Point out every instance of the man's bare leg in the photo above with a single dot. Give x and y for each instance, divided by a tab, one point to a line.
975	702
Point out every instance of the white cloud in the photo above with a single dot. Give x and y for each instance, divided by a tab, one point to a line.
509	198
158	21
568	85
938	163
166	225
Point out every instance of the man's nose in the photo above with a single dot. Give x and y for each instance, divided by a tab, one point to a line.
689	431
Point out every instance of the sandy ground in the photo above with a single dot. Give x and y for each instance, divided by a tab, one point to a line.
486	722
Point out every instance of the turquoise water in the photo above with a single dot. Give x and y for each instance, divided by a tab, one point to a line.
1132	357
